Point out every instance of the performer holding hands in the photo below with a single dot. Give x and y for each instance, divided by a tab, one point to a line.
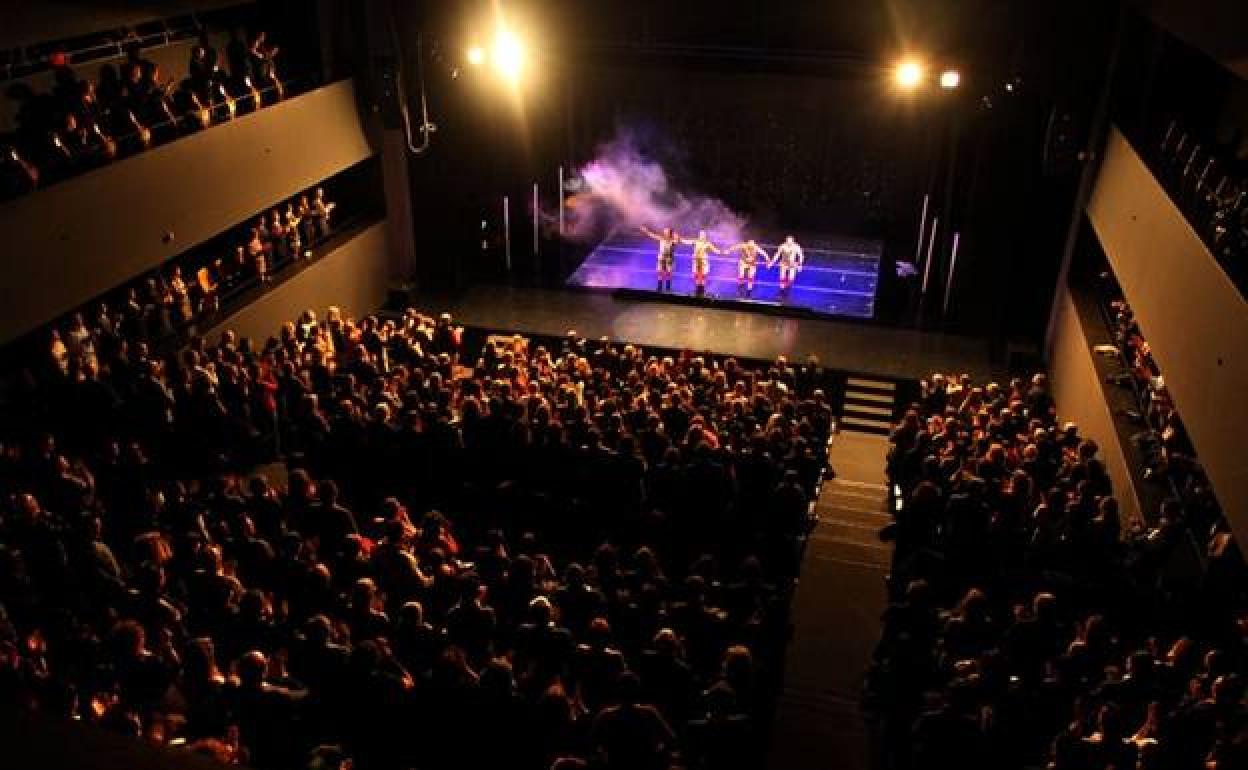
789	255
701	261
667	246
747	263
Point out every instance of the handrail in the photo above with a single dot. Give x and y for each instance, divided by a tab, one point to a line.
32	59
1142	404
144	137
1185	163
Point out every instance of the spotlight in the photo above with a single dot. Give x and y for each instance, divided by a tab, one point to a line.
949	79
508	55
909	74
476	55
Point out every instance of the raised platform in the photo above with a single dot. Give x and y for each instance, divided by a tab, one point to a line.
843	345
840	276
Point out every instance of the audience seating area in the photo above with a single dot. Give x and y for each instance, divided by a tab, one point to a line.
160	309
1170	460
84	122
1028	626
360	539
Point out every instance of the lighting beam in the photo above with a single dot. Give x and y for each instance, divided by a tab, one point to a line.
909	74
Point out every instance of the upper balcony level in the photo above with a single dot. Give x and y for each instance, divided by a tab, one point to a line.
1197	320
1184	115
69	106
75	240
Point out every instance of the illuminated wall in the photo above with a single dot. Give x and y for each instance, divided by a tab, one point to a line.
1195	319
1080	398
352	276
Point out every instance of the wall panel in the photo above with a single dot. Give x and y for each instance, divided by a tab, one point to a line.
1195	319
352	276
75	240
1080	398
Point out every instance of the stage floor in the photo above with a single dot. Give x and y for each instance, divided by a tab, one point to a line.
839	278
845	345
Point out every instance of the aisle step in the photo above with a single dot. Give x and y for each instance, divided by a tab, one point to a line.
862	382
880	411
835	614
867	425
878	398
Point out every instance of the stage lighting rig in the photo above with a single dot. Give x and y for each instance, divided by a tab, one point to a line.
508	55
909	74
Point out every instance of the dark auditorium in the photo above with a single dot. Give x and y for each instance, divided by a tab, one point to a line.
647	385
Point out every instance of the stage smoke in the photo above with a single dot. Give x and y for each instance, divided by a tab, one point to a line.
625	187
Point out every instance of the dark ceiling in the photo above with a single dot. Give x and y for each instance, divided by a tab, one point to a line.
1217	27
36	21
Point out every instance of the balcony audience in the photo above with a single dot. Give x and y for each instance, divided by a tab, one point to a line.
1028	621
83	123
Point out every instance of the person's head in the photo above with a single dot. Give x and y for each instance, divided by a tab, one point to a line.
540	611
788	239
497	678
738	663
129	639
668	233
721	699
251	668
701	235
628	689
666	642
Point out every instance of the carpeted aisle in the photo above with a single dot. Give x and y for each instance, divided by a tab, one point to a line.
836	612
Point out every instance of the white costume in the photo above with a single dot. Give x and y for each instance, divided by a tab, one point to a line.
790	256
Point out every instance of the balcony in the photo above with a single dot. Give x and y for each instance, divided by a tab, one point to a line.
1197	319
81	238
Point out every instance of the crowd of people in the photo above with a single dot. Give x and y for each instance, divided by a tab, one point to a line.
83	122
358	540
1169	455
154	310
1028	623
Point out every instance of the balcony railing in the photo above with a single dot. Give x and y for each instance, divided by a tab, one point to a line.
107	44
182	111
1208	185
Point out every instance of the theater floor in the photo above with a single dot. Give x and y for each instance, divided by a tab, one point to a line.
847	346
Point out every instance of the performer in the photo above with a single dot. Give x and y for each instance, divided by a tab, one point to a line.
667	247
747	263
701	262
789	255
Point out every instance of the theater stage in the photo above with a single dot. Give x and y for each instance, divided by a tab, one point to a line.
839	277
846	346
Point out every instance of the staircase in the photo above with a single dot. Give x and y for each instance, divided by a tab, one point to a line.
836	616
870	406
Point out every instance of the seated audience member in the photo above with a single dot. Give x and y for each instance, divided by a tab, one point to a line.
316	610
1070	641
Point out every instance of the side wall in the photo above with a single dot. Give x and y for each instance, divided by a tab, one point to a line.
352	276
78	239
1081	399
1195	319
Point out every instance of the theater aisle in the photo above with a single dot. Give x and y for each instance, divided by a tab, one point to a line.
836	613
